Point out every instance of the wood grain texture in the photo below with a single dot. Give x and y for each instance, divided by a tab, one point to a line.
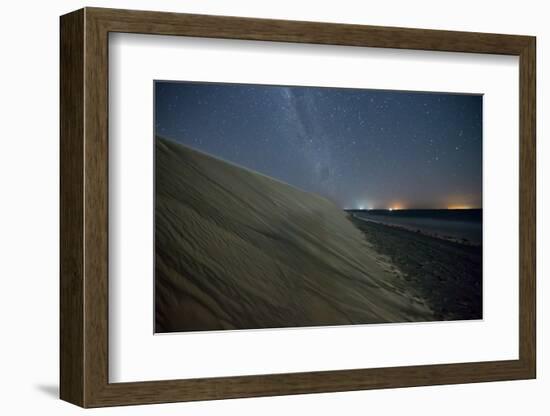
84	207
527	208
71	208
162	23
96	218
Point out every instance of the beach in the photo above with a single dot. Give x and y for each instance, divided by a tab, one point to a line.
448	274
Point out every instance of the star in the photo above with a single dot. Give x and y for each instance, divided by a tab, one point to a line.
331	141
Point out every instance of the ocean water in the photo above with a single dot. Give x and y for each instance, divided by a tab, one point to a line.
458	224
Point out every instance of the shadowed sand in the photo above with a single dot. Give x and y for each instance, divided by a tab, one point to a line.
448	274
238	250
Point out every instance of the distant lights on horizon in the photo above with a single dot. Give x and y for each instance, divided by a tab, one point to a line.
363	208
399	208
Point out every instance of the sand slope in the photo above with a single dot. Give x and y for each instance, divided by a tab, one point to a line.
236	249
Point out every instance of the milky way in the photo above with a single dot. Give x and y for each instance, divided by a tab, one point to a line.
359	148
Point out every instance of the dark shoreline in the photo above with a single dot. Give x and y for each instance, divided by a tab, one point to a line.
460	225
462	241
447	274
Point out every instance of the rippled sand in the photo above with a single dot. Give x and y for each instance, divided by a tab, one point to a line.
237	250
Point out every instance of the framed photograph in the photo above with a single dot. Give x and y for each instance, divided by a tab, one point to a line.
256	207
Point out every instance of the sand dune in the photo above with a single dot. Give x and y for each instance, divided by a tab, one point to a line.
236	249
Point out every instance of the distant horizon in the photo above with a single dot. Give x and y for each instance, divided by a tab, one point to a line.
415	209
361	149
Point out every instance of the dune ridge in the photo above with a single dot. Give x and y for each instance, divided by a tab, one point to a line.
235	249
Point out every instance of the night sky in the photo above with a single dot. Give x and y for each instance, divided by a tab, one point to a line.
362	149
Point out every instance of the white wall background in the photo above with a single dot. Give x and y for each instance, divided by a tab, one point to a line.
29	206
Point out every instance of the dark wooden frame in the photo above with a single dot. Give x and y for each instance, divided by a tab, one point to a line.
84	213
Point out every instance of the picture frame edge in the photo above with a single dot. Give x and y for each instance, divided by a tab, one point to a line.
84	216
